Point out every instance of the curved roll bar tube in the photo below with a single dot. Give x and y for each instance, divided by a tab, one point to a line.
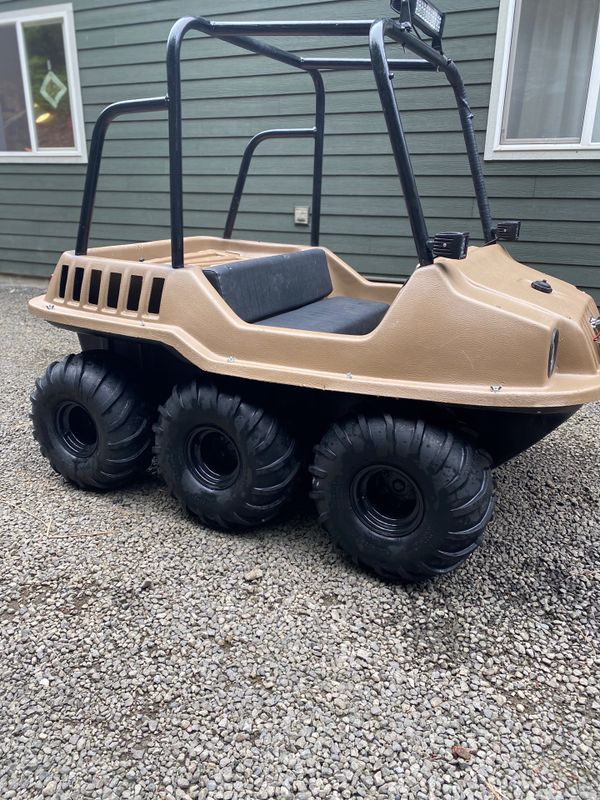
107	116
236	34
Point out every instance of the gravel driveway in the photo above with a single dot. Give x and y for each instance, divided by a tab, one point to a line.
142	655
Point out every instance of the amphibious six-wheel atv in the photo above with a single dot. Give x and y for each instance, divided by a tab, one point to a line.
242	363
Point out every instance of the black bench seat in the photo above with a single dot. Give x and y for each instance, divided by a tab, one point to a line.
332	315
291	290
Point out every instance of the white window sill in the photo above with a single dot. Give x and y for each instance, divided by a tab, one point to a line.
50	157
542	153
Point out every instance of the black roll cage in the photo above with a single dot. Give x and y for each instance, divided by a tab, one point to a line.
237	33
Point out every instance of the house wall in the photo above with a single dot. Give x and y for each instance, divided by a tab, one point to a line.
229	97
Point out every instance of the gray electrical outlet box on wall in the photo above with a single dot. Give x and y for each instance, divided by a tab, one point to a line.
301	215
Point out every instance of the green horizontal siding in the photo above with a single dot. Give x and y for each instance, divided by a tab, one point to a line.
229	95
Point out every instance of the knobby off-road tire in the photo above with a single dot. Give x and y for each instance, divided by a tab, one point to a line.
91	421
229	462
405	498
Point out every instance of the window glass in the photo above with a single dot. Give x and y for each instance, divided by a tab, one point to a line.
549	72
47	67
14	129
596	133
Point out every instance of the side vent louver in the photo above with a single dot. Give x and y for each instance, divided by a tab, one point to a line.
114	285
64	275
135	291
117	291
94	290
78	283
156	295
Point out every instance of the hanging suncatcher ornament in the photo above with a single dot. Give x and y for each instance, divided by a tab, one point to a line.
52	89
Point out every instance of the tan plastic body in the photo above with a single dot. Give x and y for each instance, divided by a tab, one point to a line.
470	332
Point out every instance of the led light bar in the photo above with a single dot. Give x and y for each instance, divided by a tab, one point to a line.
423	15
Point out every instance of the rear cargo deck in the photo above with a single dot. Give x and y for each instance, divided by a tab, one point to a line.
202	258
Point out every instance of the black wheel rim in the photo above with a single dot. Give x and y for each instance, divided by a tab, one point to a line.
77	429
213	457
387	500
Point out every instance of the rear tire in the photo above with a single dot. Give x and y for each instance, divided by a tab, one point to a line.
91	421
402	497
229	462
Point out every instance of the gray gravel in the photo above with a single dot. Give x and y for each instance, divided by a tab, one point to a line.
142	656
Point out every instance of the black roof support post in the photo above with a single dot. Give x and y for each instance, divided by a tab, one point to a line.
240	184
317	192
449	68
466	118
317	133
176	35
389	104
108	115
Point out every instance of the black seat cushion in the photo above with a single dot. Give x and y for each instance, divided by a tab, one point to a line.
262	287
334	315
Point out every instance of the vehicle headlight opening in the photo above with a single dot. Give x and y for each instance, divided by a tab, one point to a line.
553	354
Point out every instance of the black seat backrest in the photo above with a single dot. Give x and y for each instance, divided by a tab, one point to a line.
262	287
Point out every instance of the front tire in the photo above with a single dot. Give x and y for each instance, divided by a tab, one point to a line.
402	497
91	421
229	462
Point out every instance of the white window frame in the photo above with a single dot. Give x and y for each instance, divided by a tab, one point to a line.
64	155
495	149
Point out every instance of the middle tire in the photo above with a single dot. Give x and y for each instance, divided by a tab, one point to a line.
227	461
